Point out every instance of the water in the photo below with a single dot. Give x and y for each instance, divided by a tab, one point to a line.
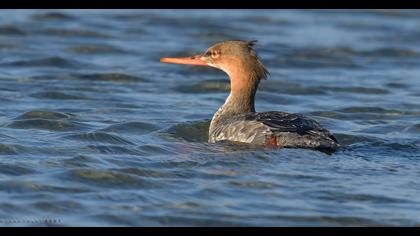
95	131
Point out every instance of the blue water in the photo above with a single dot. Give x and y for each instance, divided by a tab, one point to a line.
95	131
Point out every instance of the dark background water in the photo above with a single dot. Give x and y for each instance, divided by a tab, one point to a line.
94	130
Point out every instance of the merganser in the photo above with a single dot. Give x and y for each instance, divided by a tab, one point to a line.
237	121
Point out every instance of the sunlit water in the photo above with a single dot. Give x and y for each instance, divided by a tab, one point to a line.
95	131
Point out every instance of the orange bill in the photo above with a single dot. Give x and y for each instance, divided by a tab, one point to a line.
194	60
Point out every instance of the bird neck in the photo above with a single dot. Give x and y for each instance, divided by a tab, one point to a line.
241	99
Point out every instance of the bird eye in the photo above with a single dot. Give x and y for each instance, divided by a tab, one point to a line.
214	54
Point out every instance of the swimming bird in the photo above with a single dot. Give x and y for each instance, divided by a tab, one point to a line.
237	121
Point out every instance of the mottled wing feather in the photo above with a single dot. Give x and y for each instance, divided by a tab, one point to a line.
285	122
290	130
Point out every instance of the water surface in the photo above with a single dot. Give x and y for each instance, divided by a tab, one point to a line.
95	131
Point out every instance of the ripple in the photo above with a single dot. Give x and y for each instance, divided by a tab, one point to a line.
13	208
338	57
253	184
402	37
116	77
268	20
317	58
45	120
389	148
390	52
81	161
9	46
413	128
275	99
157	149
132	127
326	220
214	36
200	24
99	137
363	26
58	95
19	186
312	64
330	114
196	220
366	115
95	49
386	52
43	124
286	87
383	129
196	131
305	177
11	30
376	110
44	115
114	149
110	179
7	149
399	85
348	139
112	77
129	17
53	16
72	33
58	206
362	90
149	173
48	62
209	86
183	164
354	197
15	170
407	147
136	31
348	52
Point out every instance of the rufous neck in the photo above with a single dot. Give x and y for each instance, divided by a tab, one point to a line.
241	100
242	96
